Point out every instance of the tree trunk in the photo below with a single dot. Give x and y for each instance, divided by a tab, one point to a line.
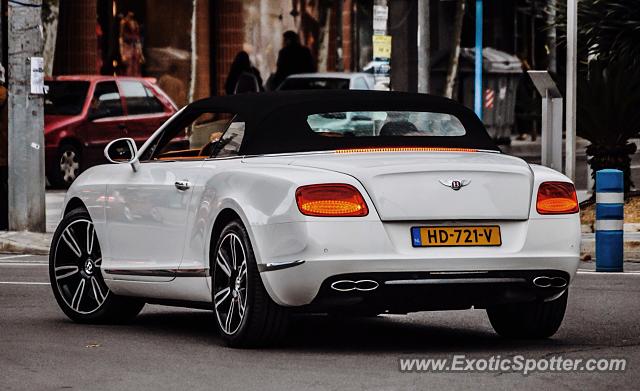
552	37
424	46
323	47
452	69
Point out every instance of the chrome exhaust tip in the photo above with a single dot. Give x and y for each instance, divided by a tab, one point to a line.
549	282
350	285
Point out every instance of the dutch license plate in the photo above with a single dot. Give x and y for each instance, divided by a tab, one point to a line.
481	235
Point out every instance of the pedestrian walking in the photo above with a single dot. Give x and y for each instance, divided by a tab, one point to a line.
173	86
243	76
293	58
131	45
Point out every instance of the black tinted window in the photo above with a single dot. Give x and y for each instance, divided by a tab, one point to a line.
106	101
315	83
198	137
140	99
65	97
229	144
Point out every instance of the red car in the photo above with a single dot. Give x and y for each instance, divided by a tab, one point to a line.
83	113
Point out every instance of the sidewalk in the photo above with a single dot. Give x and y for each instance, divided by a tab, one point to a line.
533	149
32	242
25	242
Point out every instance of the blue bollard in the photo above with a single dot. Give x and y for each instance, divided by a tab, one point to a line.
609	220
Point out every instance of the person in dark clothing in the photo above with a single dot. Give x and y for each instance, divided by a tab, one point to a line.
293	58
243	77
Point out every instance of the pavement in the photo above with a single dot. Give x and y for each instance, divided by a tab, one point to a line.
530	151
168	348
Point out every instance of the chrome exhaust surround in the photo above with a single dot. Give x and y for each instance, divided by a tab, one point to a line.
549	282
350	285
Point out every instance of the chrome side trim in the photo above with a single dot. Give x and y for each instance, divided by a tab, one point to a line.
269	267
442	281
159	272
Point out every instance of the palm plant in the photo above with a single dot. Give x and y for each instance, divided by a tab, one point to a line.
608	80
608	114
607	29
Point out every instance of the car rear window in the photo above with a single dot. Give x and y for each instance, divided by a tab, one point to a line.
65	97
385	123
315	83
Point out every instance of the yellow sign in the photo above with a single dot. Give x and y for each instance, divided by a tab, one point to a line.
381	46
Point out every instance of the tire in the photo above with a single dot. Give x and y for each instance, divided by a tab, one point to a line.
75	260
67	165
534	320
237	289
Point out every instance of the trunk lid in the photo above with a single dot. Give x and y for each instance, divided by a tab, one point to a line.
420	186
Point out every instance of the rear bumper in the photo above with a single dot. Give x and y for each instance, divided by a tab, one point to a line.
331	249
421	291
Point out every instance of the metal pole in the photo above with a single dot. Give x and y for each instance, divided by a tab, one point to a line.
424	46
572	63
478	65
26	119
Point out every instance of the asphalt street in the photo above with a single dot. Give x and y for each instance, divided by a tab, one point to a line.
169	348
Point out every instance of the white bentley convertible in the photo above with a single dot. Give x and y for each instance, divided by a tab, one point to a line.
348	202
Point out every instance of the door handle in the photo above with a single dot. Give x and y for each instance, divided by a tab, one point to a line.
182	185
122	126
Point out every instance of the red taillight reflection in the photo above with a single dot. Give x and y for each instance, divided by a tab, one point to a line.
331	200
557	198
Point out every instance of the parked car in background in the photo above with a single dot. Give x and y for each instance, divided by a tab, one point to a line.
84	113
328	81
381	71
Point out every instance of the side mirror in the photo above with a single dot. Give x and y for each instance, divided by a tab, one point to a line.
122	150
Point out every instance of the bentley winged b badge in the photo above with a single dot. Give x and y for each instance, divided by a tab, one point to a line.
455	184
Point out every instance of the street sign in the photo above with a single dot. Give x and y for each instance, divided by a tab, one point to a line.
381	47
380	18
37	75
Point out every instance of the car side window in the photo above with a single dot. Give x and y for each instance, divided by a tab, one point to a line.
196	137
360	84
229	143
139	98
105	101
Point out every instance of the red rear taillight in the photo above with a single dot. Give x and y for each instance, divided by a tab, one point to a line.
331	200
557	198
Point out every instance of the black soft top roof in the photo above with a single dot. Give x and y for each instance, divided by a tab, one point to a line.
276	122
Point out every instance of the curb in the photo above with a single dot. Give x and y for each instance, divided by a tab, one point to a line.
25	242
631	250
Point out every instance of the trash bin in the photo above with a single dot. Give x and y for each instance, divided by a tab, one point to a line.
501	75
